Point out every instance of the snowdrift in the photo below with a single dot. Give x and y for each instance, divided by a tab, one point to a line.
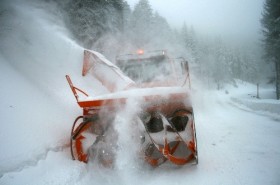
36	53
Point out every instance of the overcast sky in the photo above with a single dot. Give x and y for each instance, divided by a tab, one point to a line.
226	18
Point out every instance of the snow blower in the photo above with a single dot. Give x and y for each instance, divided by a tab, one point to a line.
164	124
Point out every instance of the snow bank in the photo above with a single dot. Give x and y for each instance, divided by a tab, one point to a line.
37	105
244	95
265	106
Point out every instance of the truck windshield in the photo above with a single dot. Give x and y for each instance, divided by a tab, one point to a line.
147	70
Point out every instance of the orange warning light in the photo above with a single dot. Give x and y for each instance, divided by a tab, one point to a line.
140	52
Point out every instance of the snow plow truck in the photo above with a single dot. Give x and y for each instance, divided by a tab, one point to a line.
163	124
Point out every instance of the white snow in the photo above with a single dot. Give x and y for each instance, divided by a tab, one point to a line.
139	92
109	74
238	135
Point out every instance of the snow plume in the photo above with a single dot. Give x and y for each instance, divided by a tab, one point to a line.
37	44
35	55
125	136
128	140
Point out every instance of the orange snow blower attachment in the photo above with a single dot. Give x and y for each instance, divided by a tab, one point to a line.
104	71
164	124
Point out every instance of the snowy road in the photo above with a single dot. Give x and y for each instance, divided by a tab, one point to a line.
235	147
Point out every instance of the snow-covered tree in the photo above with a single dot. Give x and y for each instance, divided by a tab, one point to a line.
141	23
185	34
91	20
271	32
161	31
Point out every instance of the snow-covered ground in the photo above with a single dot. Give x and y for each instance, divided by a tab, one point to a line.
247	97
238	135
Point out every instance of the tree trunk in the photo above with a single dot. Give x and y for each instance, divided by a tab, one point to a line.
277	70
258	94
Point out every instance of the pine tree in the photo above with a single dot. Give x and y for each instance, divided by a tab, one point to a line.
185	35
161	32
271	31
141	23
91	20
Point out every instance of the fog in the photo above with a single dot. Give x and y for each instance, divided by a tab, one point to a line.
230	19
